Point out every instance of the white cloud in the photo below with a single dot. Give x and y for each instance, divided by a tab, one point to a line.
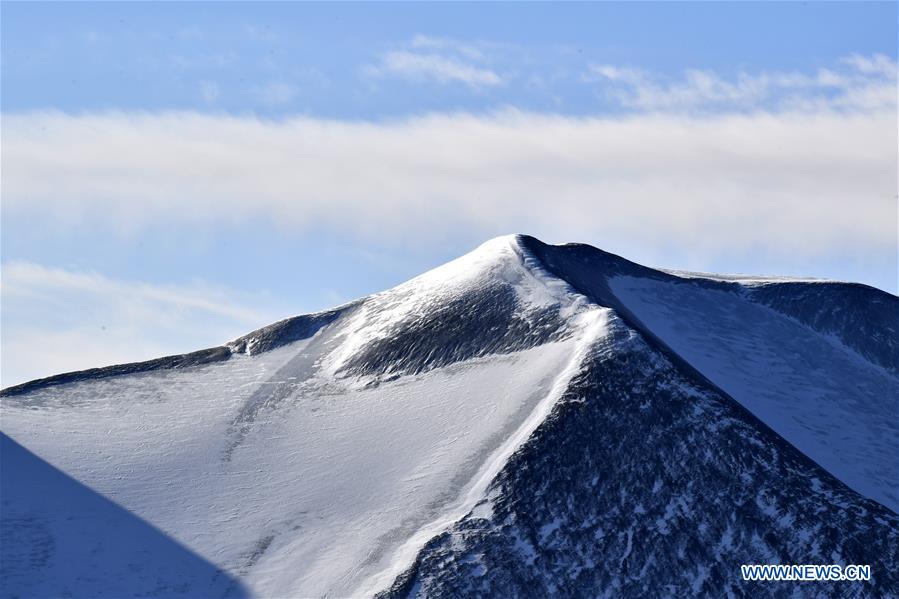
613	73
877	64
434	67
815	182
466	49
57	320
443	60
860	82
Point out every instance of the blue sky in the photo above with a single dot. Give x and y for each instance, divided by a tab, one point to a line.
277	59
178	174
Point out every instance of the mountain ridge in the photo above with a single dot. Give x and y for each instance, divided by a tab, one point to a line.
302	326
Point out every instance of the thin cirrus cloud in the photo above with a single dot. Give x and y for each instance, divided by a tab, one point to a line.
470	50
444	68
855	83
118	320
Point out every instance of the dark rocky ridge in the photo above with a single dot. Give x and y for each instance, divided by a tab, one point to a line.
197	358
482	322
485	321
261	340
861	317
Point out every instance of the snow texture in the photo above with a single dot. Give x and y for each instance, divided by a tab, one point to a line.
833	405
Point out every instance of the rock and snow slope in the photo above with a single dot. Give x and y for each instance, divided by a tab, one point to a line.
527	419
828	401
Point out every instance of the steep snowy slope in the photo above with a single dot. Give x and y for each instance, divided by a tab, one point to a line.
525	420
826	398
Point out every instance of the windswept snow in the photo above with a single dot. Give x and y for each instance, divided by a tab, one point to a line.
744	279
498	262
594	329
834	406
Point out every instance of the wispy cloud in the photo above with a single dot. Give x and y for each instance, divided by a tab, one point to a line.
433	67
873	65
57	320
438	59
466	49
857	82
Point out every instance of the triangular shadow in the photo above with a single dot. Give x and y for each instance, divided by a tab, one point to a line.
59	538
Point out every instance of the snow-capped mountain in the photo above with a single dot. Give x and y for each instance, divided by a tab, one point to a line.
527	420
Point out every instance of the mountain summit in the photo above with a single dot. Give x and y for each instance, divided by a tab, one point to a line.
526	420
